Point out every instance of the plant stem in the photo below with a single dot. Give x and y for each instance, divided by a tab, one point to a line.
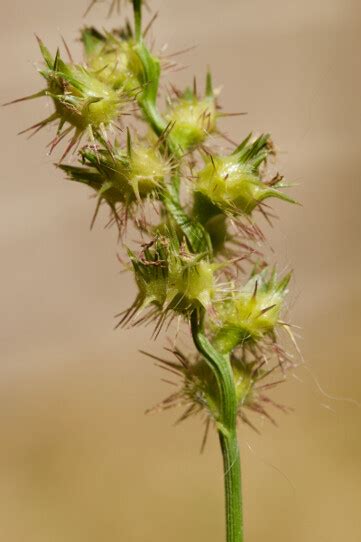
137	7
222	370
227	430
232	486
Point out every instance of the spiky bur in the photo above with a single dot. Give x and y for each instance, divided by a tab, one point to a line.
251	312
83	104
123	177
112	57
233	183
192	118
171	281
121	60
198	393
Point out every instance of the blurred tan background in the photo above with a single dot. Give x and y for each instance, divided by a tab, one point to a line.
79	461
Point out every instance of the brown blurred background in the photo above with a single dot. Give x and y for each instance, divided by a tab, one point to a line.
79	461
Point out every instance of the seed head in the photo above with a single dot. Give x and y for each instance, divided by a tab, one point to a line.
193	118
122	175
83	103
233	183
112	57
171	279
250	313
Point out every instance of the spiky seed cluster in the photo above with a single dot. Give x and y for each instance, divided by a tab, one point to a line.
176	271
251	312
192	118
83	103
112	57
122	175
233	183
170	279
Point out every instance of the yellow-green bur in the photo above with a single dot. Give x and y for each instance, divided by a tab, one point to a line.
116	64
148	170
249	314
233	186
172	282
79	98
113	58
190	285
123	177
82	100
193	120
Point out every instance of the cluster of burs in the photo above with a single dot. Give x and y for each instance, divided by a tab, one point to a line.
191	196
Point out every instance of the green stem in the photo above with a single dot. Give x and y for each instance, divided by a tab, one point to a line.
149	79
222	370
232	486
227	429
137	7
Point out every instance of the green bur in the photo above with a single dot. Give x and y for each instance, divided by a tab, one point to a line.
80	98
250	313
123	176
171	278
112	57
233	183
192	118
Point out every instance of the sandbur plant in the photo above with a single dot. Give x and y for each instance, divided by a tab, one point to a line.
163	168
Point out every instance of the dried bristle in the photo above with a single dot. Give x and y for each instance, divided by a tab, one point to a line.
198	393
